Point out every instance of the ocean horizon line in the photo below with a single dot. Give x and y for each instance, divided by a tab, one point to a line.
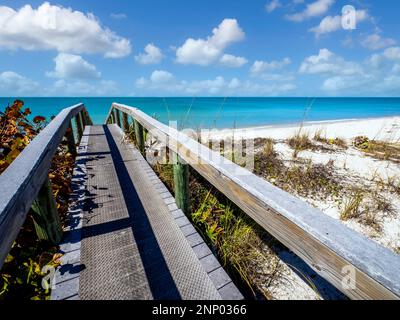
206	97
227	112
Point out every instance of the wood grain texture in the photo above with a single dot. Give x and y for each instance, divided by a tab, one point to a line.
125	122
79	125
325	244
21	181
181	184
69	135
118	116
139	136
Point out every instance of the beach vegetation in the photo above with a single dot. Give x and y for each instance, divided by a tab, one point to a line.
381	150
368	207
301	177
299	142
21	274
393	184
352	207
319	136
236	239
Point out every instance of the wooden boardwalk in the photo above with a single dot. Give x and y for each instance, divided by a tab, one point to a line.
127	239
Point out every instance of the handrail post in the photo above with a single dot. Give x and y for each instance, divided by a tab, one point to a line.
83	120
181	184
113	117
79	127
88	119
118	115
69	134
46	219
139	135
125	121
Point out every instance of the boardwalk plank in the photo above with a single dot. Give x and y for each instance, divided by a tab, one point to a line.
132	247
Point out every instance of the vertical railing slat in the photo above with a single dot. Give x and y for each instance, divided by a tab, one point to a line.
118	116
69	135
139	136
45	215
181	184
79	126
125	121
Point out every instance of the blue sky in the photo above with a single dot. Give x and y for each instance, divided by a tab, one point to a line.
199	48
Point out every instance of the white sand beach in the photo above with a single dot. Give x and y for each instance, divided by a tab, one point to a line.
386	128
358	169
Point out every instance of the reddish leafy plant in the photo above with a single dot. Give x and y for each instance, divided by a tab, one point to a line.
21	275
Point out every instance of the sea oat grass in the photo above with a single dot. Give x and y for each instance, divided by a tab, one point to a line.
338	142
368	207
300	142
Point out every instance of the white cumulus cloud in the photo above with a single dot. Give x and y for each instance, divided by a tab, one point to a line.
161	76
206	51
376	75
12	83
260	66
232	61
314	9
103	88
333	23
71	66
272	5
51	27
376	42
151	55
164	83
326	62
392	53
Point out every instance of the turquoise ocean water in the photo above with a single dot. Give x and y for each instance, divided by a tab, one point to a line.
226	112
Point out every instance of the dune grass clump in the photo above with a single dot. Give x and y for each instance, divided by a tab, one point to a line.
305	178
316	181
352	207
321	138
367	207
267	162
234	236
299	142
393	185
340	142
381	150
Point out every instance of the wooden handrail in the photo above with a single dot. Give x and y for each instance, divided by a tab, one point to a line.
330	248
21	182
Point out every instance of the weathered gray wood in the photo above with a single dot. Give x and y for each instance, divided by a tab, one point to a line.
45	215
83	120
79	126
111	118
125	122
108	119
325	244
139	136
21	181
114	116
118	116
69	135
181	184
89	121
